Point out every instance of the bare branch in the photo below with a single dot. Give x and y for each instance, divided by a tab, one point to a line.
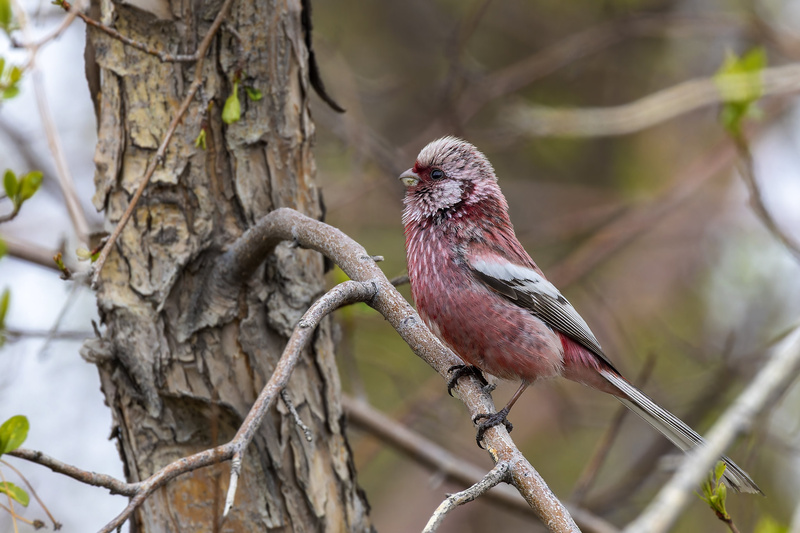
747	171
655	108
296	416
10	216
777	374
65	181
31	253
160	54
34	46
162	149
114	485
495	476
342	294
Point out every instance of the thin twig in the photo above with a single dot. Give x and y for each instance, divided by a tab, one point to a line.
56	523
114	485
14	515
748	174
56	33
775	376
342	294
296	416
65	181
10	216
49	334
32	253
541	121
37	524
162	149
160	54
495	476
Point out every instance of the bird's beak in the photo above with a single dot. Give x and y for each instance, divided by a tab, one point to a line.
409	178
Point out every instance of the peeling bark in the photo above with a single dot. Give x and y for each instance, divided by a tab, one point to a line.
174	394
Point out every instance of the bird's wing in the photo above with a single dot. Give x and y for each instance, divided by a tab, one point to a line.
529	289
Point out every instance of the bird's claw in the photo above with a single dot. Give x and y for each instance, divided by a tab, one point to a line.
459	371
490	421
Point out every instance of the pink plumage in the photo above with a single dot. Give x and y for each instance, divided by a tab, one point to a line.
481	293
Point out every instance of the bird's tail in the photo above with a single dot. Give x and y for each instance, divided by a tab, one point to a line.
674	429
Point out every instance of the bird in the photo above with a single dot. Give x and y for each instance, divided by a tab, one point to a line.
481	294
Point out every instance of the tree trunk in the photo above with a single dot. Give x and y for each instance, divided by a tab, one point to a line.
171	393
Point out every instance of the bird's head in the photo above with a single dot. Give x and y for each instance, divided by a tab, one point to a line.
448	173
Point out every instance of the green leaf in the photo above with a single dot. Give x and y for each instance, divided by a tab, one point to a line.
10	185
719	470
13	433
5	299
232	111
200	141
16	72
740	85
253	93
2	61
10	92
3	248
5	14
29	184
15	492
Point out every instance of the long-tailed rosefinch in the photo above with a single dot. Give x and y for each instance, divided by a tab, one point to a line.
479	291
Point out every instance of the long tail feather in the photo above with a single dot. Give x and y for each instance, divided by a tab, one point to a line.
674	429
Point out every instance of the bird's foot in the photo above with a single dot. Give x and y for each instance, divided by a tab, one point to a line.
490	421
459	371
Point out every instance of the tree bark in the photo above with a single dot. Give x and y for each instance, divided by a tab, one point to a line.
172	391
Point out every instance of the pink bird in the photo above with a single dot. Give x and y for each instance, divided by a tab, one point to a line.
479	291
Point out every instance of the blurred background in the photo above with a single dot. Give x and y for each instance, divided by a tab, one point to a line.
650	234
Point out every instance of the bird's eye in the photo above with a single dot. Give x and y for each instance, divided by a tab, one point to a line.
437	174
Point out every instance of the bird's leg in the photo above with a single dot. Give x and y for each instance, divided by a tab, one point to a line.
499	417
459	371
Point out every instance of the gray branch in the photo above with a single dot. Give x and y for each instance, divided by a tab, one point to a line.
494	477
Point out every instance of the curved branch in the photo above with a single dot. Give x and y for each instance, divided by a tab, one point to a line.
494	477
114	485
541	121
287	224
747	171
